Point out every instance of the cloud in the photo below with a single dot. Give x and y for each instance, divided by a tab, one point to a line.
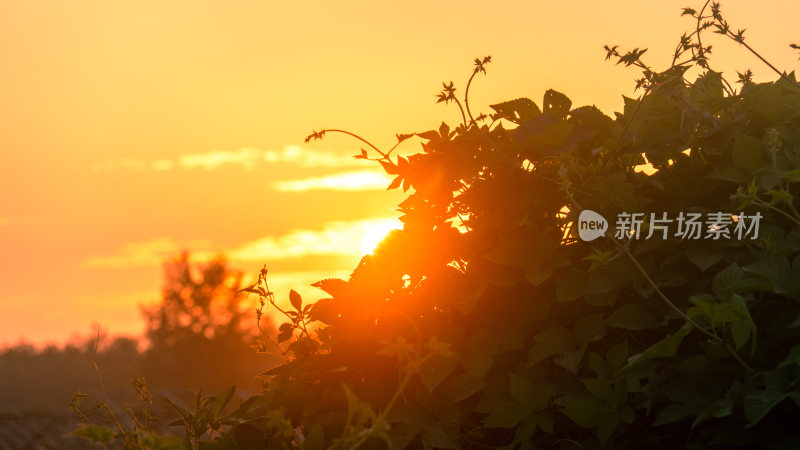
163	165
147	253
335	238
345	181
311	158
344	238
246	158
3	221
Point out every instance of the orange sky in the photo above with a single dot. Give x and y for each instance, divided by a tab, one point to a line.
131	130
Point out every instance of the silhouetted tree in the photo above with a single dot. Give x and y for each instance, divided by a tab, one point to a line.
200	334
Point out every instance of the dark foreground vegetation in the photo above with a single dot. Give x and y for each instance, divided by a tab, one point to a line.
486	322
183	352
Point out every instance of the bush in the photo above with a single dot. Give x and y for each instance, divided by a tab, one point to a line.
486	322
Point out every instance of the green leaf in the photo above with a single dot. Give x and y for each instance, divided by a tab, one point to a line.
675	412
665	348
776	272
633	316
743	328
571	286
184	414
733	174
552	341
707	88
747	153
445	432
402	434
505	415
535	397
222	399
617	355
757	404
460	387
792	358
153	441
607	427
725	282
94	433
435	369
586	411
704	259
589	328
437	437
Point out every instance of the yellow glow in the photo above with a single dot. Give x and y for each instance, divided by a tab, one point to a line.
346	181
375	234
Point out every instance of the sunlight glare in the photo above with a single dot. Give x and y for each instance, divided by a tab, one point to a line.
374	234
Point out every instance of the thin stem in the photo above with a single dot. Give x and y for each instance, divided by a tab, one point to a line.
460	108
466	97
774	69
335	130
716	339
760	202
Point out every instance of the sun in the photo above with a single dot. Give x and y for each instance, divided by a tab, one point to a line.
375	232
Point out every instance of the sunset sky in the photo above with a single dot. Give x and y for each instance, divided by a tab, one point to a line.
130	131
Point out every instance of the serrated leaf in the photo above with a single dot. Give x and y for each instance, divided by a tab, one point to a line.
556	103
518	111
333	286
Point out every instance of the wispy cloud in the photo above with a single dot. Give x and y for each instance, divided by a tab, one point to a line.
312	158
345	238
346	181
147	253
335	238
245	158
